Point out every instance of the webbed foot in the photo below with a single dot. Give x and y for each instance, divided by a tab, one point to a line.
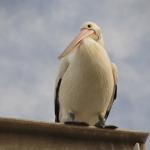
76	123
110	127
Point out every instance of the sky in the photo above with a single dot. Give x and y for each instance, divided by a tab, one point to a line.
32	35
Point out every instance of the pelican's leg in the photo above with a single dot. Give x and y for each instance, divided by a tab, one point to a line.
71	116
101	122
66	116
71	120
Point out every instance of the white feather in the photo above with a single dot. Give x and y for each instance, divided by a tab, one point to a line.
87	83
88	78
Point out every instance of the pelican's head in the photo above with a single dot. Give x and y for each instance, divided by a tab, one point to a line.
88	29
92	26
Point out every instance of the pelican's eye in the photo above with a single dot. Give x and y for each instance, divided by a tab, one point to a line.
89	25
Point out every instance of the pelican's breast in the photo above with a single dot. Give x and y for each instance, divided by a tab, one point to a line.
87	84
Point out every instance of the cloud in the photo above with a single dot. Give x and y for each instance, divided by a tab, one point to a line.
33	33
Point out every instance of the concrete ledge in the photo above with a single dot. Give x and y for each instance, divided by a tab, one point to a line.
29	135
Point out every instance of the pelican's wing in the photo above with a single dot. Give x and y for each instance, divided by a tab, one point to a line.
64	63
114	95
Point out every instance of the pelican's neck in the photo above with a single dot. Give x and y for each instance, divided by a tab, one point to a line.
91	51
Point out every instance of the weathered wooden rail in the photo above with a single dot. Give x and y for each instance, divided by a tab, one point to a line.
29	135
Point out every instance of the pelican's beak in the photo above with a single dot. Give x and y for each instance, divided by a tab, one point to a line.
76	42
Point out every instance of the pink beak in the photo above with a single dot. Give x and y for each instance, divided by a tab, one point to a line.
76	42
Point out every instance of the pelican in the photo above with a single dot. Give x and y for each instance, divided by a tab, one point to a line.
86	85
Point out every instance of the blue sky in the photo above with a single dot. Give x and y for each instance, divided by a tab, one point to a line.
34	32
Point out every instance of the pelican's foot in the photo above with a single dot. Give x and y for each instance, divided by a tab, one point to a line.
101	122
110	127
102	126
76	123
71	120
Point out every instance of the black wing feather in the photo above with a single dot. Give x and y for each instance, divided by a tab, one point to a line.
114	97
57	107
